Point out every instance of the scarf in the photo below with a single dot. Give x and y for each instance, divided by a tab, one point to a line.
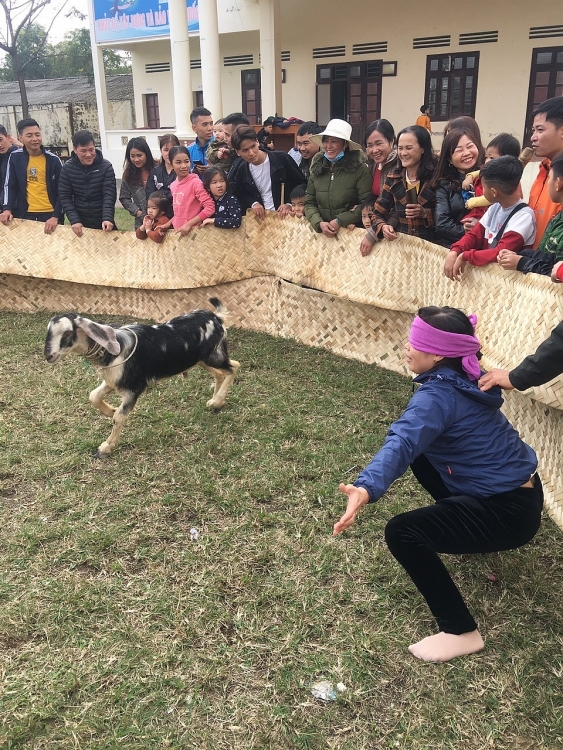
426	338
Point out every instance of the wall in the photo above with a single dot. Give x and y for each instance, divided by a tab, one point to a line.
55	121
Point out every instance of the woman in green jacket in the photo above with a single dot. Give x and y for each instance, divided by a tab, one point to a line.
339	181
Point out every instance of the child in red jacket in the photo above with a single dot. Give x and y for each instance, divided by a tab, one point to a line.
159	208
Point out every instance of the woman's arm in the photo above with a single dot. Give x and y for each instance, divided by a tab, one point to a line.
126	199
447	227
311	208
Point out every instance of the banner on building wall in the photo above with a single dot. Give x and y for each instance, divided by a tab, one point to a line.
119	20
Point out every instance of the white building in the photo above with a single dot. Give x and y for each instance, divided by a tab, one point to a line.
318	60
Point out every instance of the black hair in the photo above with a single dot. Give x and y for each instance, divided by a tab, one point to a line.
199	112
503	173
178	150
269	121
309	128
3	131
219	121
163	200
464	122
168	138
83	138
452	320
132	175
552	109
381	126
424	108
297	193
428	161
212	172
236	118
368	202
242	133
445	170
506	145
557	164
28	122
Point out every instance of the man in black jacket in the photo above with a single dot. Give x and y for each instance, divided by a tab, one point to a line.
263	180
87	188
539	368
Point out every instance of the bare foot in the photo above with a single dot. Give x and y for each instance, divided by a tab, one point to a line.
446	646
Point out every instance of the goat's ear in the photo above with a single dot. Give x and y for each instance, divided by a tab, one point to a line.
102	335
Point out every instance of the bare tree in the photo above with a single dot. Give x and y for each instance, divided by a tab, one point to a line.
19	15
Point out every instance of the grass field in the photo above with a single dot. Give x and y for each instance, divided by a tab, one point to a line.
118	630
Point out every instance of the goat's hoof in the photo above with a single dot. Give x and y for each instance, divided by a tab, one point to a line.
212	404
100	454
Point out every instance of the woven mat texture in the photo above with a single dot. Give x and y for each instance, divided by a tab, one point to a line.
356	307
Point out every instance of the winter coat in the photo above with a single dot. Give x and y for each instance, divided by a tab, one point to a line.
549	252
15	188
159	179
393	202
3	167
283	170
88	193
337	190
228	213
134	198
462	433
450	210
542	366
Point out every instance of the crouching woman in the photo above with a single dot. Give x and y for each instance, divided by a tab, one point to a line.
470	459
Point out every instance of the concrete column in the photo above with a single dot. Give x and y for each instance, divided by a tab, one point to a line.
100	86
181	72
210	57
270	57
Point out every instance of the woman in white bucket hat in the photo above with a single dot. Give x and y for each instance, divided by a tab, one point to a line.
339	180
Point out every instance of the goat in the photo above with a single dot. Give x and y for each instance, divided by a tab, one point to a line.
133	357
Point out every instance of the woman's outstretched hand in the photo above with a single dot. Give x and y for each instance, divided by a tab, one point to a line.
357	497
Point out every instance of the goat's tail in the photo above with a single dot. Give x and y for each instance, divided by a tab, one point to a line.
220	310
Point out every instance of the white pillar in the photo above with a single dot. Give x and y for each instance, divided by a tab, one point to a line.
270	57
210	57
181	72
99	85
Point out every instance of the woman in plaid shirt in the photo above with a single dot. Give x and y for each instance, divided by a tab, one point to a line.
417	165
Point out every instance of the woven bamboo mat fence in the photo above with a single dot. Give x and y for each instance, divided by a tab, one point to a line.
280	277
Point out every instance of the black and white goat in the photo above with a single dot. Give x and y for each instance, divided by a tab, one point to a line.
134	356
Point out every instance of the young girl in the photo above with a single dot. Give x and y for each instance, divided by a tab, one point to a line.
191	202
162	175
228	213
460	154
466	454
138	164
159	210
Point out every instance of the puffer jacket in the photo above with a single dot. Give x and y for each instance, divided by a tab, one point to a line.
462	433
450	210
545	364
88	194
336	191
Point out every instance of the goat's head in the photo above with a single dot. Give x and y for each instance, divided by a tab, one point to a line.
70	333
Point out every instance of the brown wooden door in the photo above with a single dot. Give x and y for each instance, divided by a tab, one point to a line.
546	80
349	91
153	113
251	96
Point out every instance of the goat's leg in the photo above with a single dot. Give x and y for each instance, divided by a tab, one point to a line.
97	399
223	381
128	401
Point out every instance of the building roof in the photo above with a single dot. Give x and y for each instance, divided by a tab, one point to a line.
75	90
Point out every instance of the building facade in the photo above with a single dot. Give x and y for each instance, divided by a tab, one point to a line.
356	61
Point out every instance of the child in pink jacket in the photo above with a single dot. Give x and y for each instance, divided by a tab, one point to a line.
191	202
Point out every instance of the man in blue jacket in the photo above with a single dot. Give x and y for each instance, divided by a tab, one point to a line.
32	180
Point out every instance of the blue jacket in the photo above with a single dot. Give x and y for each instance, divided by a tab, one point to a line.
15	189
463	434
197	152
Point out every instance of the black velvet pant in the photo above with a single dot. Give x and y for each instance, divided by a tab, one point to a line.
458	525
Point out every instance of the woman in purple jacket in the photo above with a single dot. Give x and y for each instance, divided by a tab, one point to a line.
466	454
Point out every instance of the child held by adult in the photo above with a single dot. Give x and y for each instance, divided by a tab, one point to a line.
228	212
469	458
509	224
191	202
159	212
